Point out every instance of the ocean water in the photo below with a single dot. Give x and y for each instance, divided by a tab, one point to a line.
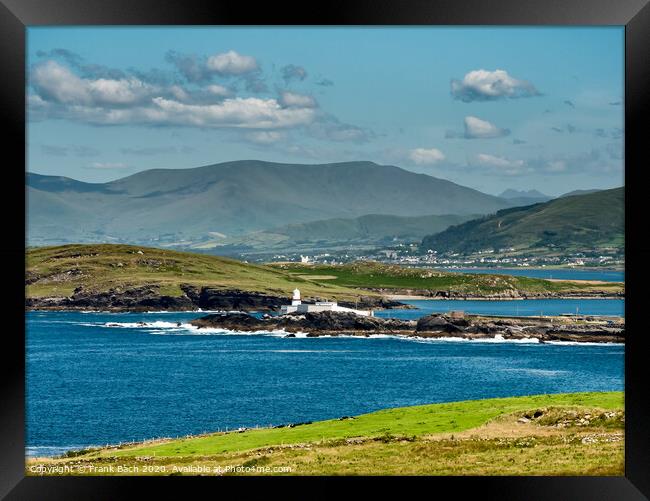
519	307
101	378
560	274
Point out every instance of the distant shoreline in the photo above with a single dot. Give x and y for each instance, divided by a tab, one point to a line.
407	297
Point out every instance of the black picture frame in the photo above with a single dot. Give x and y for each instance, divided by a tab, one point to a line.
16	15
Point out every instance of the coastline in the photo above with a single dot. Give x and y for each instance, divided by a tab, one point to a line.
494	423
416	297
147	299
589	329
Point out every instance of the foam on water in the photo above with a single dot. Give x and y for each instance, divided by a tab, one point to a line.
163	328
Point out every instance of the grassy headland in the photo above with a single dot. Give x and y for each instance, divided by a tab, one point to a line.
59	271
577	433
373	275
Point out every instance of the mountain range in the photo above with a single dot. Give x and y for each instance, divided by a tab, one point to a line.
524	197
184	207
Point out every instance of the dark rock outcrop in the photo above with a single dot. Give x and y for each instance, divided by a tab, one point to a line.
432	326
132	299
319	323
435	323
208	298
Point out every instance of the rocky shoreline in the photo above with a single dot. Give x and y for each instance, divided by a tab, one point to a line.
328	323
149	298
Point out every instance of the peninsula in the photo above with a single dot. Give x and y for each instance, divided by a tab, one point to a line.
120	277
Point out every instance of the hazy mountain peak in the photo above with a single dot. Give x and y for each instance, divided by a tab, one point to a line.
510	193
173	206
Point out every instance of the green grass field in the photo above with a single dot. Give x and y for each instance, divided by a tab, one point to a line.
57	271
406	421
376	275
448	438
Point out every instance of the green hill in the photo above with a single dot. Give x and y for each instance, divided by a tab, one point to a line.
572	223
186	206
370	227
58	271
326	234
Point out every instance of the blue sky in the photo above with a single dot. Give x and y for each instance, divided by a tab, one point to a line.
491	108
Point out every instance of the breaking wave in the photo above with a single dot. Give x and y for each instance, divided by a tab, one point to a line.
160	327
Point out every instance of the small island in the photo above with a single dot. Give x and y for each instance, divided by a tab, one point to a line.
453	325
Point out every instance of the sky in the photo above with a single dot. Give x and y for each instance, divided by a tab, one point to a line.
491	108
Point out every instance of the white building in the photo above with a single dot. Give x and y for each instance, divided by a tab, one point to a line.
296	306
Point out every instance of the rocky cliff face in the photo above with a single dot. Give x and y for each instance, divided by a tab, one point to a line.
150	298
193	298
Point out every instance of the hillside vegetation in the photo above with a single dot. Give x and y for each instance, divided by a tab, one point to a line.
578	433
373	275
58	271
571	223
366	231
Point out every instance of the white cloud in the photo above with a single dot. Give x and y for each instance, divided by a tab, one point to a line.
237	112
218	90
57	83
179	93
501	165
246	113
231	63
475	128
426	156
484	85
292	99
59	93
266	136
116	92
107	165
62	94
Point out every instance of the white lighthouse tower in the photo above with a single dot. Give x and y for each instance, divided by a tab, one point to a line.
297	307
295	300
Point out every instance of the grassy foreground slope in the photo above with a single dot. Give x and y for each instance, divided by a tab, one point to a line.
558	430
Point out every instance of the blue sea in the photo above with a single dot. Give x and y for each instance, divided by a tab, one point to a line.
102	378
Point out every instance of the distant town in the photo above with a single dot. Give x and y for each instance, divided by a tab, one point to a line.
411	255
